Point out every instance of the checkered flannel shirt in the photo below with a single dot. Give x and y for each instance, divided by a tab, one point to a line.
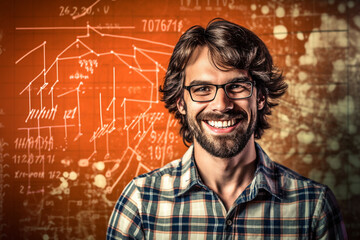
173	203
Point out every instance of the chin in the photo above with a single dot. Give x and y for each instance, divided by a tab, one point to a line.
224	146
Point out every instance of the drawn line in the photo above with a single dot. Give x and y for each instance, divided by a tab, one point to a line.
83	14
152	51
74	28
128	37
137	39
43	127
28	86
30	52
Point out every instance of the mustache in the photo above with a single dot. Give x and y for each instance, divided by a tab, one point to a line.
221	116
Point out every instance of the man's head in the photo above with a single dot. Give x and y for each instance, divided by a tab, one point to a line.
231	53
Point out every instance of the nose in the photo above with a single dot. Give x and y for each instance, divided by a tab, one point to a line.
221	103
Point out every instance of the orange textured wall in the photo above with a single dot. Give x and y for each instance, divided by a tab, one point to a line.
80	113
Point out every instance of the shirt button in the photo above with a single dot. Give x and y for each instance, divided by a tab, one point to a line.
229	222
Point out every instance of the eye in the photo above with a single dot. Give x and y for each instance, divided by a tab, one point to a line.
202	89
236	87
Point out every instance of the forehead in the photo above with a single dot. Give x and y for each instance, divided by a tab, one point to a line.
201	67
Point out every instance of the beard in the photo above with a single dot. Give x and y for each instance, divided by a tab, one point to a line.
224	146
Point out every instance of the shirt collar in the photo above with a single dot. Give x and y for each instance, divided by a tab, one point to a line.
189	178
266	176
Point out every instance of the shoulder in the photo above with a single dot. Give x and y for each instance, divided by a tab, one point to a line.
315	200
293	184
292	176
159	178
286	181
296	189
147	185
165	170
167	179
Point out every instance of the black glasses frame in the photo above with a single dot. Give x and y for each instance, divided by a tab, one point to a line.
223	86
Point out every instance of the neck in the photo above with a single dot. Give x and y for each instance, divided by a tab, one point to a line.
228	177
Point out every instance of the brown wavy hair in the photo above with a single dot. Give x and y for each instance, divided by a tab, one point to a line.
230	47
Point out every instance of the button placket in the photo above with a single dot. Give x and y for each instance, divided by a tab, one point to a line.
228	229
229	222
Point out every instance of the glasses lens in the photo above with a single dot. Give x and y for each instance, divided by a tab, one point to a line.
203	92
238	90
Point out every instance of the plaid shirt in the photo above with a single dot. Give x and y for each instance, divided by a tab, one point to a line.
173	203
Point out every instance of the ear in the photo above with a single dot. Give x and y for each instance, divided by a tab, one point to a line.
260	101
181	105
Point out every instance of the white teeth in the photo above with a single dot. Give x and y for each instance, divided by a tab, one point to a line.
222	124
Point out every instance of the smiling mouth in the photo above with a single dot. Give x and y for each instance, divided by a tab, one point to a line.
222	123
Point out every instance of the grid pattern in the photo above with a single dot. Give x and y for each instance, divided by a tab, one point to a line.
173	203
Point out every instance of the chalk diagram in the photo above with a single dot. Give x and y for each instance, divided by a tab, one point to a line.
93	116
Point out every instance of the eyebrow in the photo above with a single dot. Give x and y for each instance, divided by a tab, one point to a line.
236	79
241	79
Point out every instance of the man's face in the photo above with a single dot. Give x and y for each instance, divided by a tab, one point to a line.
223	126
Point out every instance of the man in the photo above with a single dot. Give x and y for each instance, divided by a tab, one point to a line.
221	84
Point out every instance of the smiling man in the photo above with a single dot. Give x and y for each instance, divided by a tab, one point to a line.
221	84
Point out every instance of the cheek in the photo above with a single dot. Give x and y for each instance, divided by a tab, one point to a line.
194	108
251	109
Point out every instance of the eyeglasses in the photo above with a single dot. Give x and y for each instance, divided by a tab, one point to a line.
233	90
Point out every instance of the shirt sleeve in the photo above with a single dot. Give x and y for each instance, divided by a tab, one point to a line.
125	221
329	224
